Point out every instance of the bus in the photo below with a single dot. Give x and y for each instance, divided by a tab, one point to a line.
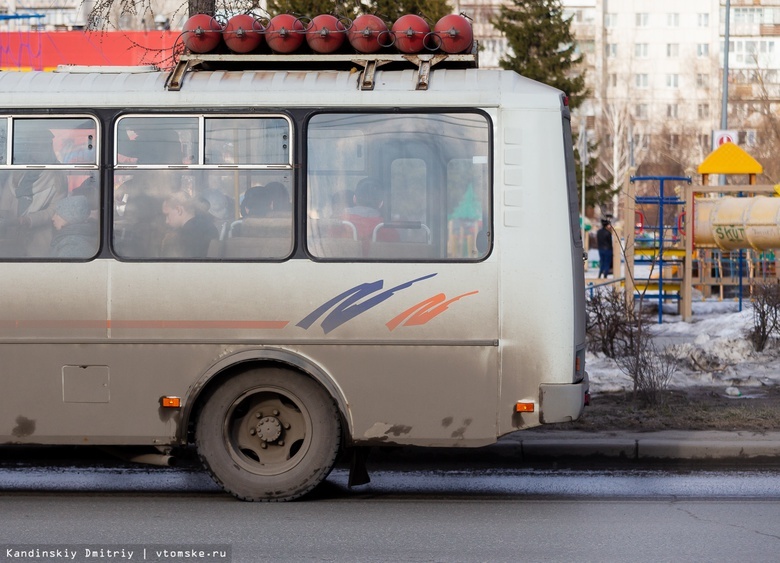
279	261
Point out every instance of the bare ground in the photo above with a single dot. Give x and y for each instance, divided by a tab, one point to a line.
693	408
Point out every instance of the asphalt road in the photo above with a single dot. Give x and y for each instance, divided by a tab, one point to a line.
416	508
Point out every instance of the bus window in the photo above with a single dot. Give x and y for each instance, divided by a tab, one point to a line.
466	204
432	173
48	207
156	140
3	141
178	202
247	141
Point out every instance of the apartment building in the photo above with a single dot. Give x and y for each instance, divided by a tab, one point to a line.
655	71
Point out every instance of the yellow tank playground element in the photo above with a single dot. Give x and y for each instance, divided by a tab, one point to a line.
731	223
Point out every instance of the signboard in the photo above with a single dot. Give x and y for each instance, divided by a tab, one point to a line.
724	136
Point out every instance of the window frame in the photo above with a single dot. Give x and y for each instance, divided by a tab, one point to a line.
123	168
490	181
94	169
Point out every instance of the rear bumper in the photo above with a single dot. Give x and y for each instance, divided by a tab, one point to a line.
563	402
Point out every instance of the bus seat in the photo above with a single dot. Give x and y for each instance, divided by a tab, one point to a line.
410	226
400	250
334	238
216	248
332	228
257	247
336	248
262	227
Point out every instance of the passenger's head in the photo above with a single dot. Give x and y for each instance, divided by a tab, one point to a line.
71	211
257	202
220	205
368	193
180	207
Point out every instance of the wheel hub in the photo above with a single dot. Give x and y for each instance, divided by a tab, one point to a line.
268	429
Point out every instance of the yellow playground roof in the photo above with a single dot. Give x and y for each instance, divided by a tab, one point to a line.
730	159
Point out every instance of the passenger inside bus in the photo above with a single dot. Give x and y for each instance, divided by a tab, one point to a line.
365	214
193	227
262	209
139	231
28	196
75	234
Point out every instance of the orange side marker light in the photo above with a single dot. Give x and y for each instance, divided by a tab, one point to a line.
524	407
170	402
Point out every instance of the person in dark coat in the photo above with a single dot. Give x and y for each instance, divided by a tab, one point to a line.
75	236
193	227
604	243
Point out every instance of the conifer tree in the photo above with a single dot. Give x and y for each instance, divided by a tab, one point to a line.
388	10
542	45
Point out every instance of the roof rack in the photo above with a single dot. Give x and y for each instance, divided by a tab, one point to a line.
423	62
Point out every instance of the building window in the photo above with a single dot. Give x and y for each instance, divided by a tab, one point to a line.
703	20
673	140
672	50
642	19
703	111
641	141
640	80
702	80
671	111
640	111
611	49
673	20
576	16
587	47
612	79
610	20
641	50
672	80
704	142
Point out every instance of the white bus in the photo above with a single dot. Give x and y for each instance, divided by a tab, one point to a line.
276	264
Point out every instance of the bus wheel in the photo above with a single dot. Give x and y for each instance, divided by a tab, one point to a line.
268	435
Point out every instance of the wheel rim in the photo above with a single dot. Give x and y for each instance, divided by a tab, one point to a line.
267	430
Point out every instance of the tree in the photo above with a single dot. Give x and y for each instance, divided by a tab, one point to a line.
389	10
599	192
431	10
542	46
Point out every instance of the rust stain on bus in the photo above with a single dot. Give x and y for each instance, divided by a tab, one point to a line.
24	427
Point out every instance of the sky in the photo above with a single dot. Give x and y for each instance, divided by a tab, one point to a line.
713	350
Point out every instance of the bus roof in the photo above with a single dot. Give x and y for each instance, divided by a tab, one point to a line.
141	87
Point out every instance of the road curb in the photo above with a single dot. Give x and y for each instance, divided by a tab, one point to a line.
694	445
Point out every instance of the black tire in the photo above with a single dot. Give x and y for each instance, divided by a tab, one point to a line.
268	435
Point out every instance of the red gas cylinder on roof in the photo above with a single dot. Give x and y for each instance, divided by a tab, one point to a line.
325	34
243	33
455	33
410	32
284	33
202	33
368	34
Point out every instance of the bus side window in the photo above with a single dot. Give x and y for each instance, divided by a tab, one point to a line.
47	211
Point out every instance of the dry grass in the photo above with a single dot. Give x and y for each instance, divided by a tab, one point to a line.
689	409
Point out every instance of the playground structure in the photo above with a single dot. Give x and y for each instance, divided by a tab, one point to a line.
733	243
